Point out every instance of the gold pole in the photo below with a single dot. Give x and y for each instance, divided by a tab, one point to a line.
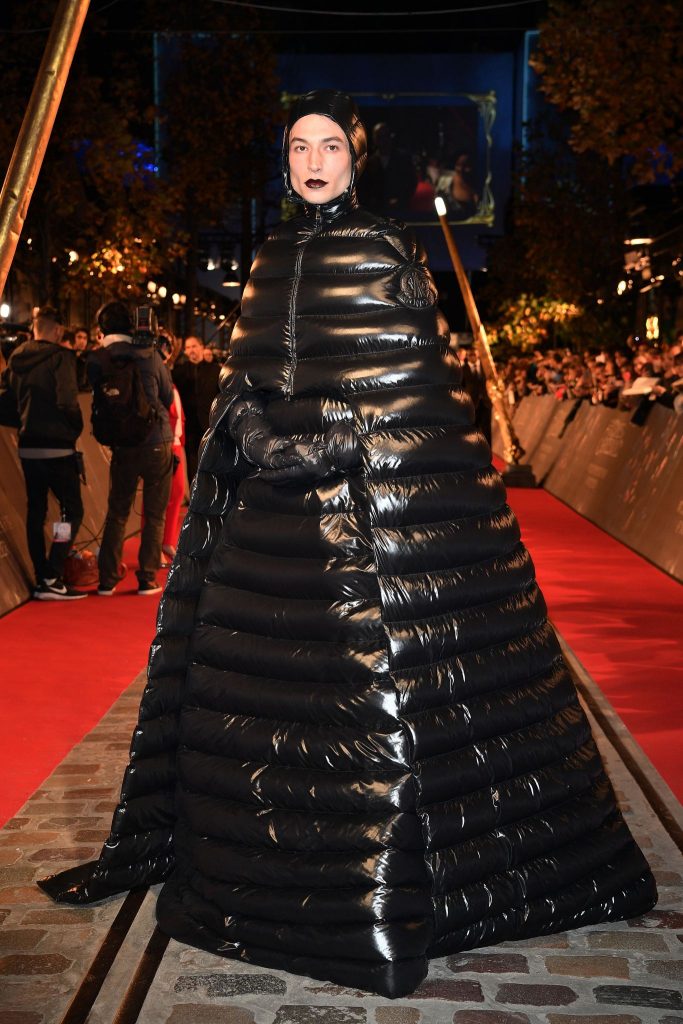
512	450
36	128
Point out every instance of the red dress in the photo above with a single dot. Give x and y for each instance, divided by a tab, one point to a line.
175	501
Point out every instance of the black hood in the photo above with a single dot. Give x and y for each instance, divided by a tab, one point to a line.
31	354
344	112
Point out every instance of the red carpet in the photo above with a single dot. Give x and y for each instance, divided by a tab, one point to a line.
620	615
64	665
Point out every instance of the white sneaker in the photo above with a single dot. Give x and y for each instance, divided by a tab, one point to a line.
57	590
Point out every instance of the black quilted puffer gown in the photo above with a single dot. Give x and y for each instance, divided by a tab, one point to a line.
359	746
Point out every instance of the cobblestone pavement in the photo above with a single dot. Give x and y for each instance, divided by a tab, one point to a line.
626	973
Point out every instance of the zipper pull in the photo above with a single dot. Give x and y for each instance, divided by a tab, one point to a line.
318	218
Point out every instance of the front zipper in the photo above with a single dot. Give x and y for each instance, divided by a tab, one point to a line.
289	386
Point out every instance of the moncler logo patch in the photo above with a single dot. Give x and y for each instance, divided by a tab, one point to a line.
416	289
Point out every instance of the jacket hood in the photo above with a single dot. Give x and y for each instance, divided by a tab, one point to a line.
31	354
341	109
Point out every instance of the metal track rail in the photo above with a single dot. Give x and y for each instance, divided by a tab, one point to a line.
96	975
654	790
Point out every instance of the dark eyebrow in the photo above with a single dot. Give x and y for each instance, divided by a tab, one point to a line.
332	138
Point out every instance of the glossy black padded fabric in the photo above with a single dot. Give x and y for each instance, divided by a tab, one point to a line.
359	746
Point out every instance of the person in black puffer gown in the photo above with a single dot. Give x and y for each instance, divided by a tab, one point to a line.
359	746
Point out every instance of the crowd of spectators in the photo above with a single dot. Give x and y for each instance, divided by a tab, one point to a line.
622	378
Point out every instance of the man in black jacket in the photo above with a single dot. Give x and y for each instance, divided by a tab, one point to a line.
42	375
151	460
197	382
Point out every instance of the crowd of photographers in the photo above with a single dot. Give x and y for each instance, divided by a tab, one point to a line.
633	377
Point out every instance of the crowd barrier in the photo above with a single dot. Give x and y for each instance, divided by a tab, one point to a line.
16	571
625	478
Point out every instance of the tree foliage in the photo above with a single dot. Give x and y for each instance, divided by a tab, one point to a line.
570	215
219	113
99	193
218	116
617	67
529	321
564	239
94	182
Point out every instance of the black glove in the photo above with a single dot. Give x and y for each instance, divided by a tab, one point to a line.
314	460
250	430
302	461
282	460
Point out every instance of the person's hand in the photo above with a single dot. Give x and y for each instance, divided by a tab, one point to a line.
282	459
300	461
338	452
249	428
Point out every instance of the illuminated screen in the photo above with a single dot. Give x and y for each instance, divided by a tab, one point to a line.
426	145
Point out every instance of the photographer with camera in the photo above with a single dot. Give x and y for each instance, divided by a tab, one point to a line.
132	393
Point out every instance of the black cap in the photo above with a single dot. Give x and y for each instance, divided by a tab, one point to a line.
114	318
342	109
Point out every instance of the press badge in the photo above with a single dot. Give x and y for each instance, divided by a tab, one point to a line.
61	532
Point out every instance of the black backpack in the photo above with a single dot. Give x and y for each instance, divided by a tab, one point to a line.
121	412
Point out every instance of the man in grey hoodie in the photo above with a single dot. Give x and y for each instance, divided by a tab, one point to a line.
42	375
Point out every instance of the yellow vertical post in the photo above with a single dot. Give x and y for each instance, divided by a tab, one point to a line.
36	127
515	475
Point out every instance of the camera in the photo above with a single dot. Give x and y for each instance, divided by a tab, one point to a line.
11	336
145	326
164	344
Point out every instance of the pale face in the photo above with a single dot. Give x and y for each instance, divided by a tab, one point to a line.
194	350
319	158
